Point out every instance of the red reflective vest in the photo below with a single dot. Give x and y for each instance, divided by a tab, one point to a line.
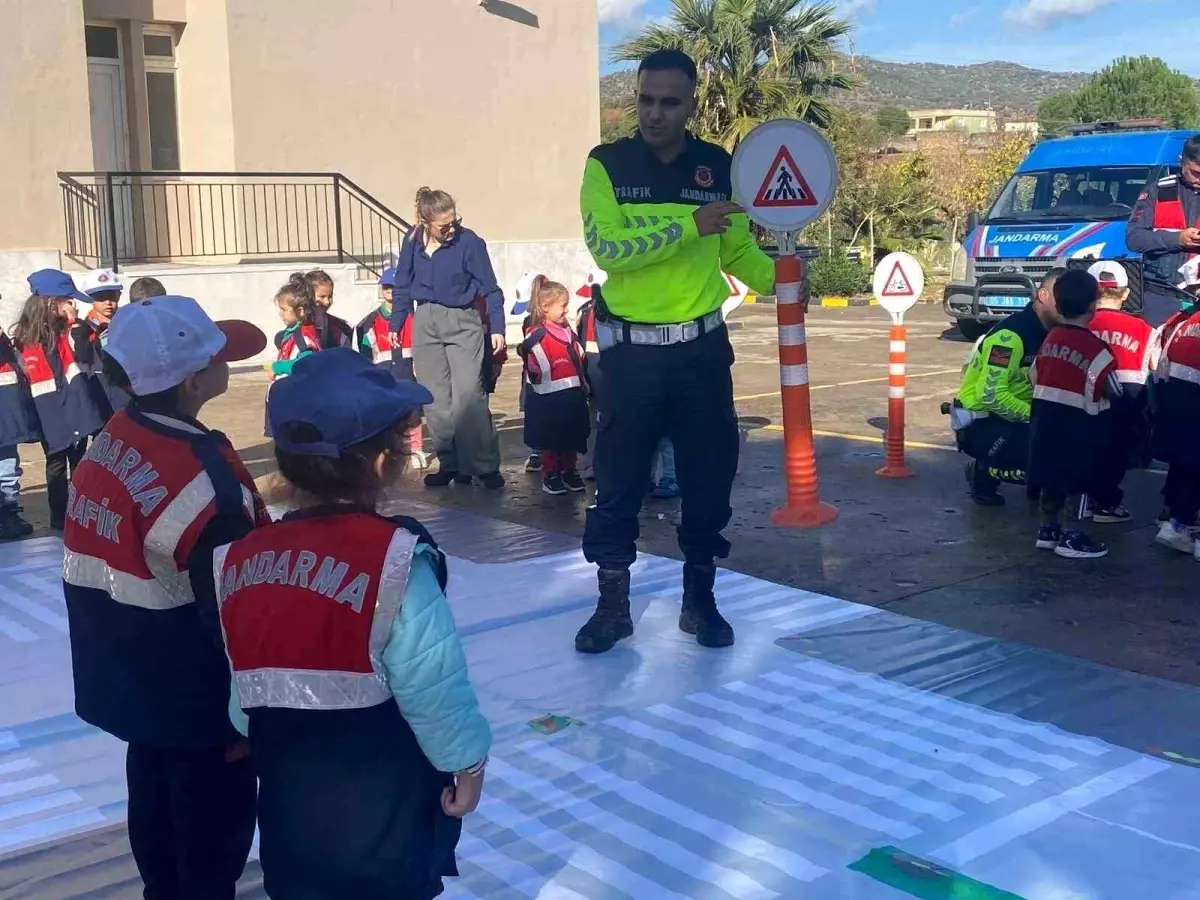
41	373
1181	352
1131	341
587	326
307	607
138	503
304	338
1168	211
1071	369
376	334
551	363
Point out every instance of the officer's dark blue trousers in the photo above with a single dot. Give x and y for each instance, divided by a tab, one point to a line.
681	391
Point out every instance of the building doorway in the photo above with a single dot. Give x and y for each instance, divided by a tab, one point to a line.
110	134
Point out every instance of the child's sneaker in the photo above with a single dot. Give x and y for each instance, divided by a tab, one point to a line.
1049	537
553	485
573	482
1177	537
1077	545
534	462
1111	515
667	489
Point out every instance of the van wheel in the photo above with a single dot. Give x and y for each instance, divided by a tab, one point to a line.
971	330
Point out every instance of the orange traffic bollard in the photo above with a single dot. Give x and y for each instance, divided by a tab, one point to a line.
894	466
804	508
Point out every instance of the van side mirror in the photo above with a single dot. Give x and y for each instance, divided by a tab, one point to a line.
973	220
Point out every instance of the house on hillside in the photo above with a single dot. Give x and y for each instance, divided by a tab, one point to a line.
967	121
1029	127
245	137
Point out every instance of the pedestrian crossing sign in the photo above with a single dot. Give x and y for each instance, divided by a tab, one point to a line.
897	283
785	185
785	175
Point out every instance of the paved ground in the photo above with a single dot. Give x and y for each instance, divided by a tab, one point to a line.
916	547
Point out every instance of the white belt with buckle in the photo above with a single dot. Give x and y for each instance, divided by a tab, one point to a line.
662	335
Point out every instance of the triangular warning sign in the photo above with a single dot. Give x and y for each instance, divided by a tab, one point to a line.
897	283
785	184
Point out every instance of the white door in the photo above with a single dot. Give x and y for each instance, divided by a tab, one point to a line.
110	147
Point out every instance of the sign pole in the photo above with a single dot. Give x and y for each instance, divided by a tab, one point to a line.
785	175
804	508
897	285
894	466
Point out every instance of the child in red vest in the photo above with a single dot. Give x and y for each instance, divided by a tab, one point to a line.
1132	342
333	332
18	425
1074	381
104	287
299	337
67	404
1177	432
556	407
377	343
364	729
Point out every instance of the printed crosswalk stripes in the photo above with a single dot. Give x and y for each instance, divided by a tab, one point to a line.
685	861
882	708
827	741
728	836
1045	734
581	857
917	744
34	805
31	603
851	812
800	762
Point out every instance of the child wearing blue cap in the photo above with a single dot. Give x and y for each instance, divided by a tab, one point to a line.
377	342
67	404
364	728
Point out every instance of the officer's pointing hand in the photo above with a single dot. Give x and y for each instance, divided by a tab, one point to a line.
1190	238
714	218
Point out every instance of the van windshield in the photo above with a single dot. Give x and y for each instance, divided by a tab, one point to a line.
1087	193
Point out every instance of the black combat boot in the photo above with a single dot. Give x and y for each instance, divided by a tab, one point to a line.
985	488
699	615
12	526
610	622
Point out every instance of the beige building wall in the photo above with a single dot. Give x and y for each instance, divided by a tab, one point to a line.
500	107
44	110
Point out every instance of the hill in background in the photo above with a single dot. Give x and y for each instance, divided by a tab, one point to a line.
1012	90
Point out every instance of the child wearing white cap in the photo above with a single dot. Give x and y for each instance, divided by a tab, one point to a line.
104	288
156	491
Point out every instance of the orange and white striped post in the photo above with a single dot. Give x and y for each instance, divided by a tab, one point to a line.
894	465
804	508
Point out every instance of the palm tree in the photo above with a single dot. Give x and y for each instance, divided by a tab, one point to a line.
758	60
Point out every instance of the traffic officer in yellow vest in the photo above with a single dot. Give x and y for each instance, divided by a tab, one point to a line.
658	218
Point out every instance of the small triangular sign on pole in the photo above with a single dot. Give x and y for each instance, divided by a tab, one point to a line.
785	185
897	283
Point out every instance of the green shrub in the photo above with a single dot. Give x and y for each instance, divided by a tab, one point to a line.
836	275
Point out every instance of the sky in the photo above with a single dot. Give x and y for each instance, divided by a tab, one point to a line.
1059	35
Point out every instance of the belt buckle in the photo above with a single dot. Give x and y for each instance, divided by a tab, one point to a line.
665	334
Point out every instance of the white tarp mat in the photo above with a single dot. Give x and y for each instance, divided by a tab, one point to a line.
678	772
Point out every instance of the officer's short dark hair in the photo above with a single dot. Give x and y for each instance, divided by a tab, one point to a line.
1051	277
1191	149
669	61
1075	293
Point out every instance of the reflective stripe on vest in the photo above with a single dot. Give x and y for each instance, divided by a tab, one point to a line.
41	372
550	385
1181	354
266	600
588	334
1168	211
1071	368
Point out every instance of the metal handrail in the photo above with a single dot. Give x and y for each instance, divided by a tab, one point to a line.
120	217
